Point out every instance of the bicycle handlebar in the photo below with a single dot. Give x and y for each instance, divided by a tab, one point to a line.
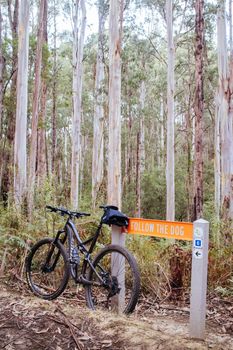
64	211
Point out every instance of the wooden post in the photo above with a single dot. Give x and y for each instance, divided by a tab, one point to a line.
118	301
199	278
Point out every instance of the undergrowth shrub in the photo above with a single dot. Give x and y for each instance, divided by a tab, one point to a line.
160	263
159	260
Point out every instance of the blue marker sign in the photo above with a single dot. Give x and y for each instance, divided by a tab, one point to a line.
198	243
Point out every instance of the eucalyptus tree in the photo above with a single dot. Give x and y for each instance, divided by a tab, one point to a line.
170	168
1	72
7	151
54	86
78	43
198	109
114	146
41	142
98	130
140	166
35	108
225	114
20	147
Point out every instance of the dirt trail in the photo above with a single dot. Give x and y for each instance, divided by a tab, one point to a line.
27	322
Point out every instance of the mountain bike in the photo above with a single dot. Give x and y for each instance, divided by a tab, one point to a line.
111	279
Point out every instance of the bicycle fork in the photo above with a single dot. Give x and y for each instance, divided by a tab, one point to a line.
46	268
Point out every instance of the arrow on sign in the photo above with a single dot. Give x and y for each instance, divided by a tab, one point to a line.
198	254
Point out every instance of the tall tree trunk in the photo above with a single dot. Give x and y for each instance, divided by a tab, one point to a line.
41	150
129	147
20	149
230	28
77	96
225	110
170	169
189	140
84	147
14	30
142	125
114	147
1	74
161	137
217	159
98	136
198	110
35	110
138	176
8	154
54	110
1	99
140	156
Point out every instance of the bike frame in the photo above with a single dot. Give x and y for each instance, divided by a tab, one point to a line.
71	230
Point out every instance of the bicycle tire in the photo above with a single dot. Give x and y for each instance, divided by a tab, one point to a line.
129	291
47	285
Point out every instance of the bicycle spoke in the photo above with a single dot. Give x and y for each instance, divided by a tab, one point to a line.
120	278
47	269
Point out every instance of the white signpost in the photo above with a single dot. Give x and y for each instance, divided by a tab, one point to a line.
198	233
199	278
118	238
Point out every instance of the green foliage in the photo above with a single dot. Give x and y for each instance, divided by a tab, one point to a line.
153	199
220	275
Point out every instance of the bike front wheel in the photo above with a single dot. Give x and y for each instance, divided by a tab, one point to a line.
47	269
114	282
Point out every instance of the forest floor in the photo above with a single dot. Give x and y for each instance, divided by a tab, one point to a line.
27	322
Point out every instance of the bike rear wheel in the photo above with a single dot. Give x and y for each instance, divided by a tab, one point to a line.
47	269
121	281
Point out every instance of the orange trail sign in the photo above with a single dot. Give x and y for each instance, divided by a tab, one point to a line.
162	229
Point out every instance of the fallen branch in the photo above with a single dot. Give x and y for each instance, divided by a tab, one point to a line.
70	326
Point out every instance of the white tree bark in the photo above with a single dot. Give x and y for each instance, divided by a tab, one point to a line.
199	111
217	160
1	76
114	147
20	147
98	136
142	126
140	157
35	111
170	168
54	93
230	28
225	110
78	43
161	148
41	132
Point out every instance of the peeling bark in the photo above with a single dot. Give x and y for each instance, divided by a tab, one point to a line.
8	152
20	149
1	74
41	149
225	110
77	95
170	168
35	111
98	136
198	110
114	147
